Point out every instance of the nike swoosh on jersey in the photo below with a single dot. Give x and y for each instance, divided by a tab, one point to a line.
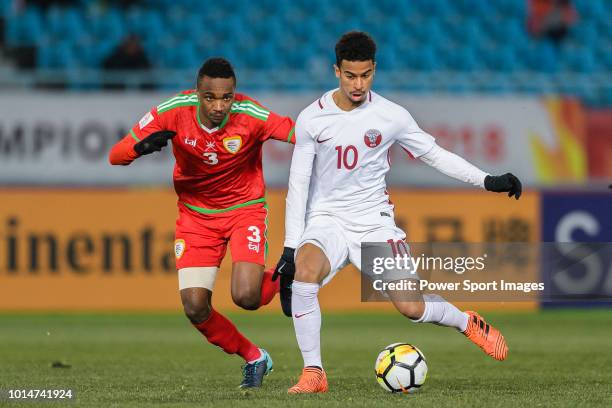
324	140
297	316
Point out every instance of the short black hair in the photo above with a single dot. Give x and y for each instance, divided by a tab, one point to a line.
216	67
355	46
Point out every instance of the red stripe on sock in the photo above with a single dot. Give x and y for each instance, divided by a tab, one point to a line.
221	332
268	288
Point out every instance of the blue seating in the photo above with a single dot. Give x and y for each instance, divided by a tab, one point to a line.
585	32
108	25
421	35
5	7
541	56
60	55
591	9
502	59
25	28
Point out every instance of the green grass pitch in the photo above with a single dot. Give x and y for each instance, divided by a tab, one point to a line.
557	358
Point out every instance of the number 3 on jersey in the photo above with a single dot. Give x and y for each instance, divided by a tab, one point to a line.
211	158
347	158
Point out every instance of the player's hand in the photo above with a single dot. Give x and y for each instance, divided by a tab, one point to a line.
505	183
285	265
154	142
285	268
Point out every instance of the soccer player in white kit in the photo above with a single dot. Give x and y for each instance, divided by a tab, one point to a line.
337	199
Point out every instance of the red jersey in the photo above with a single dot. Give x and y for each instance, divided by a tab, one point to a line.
216	169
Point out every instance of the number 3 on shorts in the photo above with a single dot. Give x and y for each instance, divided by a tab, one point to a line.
256	237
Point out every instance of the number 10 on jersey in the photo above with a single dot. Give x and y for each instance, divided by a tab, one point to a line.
347	157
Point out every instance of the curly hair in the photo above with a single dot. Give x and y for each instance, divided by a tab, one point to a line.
355	46
216	67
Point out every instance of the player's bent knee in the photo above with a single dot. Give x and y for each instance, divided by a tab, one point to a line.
307	272
197	313
196	305
412	310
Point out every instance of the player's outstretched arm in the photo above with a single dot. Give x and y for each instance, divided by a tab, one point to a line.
154	142
422	145
127	149
149	135
295	212
457	167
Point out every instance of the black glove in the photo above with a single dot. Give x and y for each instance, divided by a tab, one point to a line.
285	268
154	142
505	183
285	265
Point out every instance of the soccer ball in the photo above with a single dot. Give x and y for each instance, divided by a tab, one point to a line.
401	367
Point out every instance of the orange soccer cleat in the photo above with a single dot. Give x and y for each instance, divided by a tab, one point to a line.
312	380
485	336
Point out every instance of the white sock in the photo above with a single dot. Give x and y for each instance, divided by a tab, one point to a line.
307	321
439	311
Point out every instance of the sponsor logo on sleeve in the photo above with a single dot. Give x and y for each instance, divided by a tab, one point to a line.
146	119
179	248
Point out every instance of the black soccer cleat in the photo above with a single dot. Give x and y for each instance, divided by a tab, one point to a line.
254	373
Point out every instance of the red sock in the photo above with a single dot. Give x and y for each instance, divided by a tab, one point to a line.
219	331
268	288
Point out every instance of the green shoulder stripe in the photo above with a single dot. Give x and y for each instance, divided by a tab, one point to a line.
176	101
254	106
248	110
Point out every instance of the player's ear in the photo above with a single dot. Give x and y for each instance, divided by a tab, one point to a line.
337	71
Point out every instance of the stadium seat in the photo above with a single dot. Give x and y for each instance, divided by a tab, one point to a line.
542	56
513	8
495	85
423	35
501	59
64	23
585	33
5	7
606	95
476	8
584	61
463	59
434	8
108	25
58	55
590	9
425	59
25	28
604	57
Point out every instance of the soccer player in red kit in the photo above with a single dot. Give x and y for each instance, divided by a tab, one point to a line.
217	138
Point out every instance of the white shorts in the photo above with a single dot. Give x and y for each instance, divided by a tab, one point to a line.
341	241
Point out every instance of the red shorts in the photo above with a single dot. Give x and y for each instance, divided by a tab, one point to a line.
201	239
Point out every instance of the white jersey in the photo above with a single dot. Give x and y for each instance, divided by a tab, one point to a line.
352	152
344	155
